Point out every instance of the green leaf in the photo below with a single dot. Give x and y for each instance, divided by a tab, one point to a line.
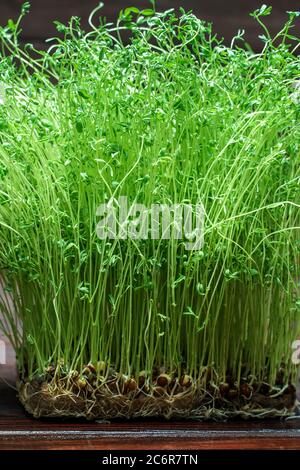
190	312
30	339
163	318
83	93
84	288
178	280
79	126
11	25
147	12
46	123
60	27
200	289
263	37
230	275
264	10
253	272
129	10
25	8
293	14
200	328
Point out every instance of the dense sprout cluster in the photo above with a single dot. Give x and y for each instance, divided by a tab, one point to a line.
172	116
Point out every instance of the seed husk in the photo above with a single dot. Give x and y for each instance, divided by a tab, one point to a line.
81	383
245	390
264	388
155	373
87	372
163	380
130	385
232	393
280	377
185	380
142	378
224	389
91	368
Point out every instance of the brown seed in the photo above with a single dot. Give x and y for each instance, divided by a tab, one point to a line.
142	378
91	368
232	393
173	383
86	372
224	389
245	390
229	379
288	402
290	390
130	385
185	380
279	377
209	374
163	380
155	373
264	388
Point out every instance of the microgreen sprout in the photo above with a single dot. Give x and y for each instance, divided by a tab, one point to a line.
174	116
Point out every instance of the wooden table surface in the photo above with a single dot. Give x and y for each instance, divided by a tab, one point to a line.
19	431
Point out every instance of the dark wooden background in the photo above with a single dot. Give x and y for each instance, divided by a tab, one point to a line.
227	16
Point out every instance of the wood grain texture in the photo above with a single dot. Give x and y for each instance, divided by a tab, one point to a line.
227	17
18	431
